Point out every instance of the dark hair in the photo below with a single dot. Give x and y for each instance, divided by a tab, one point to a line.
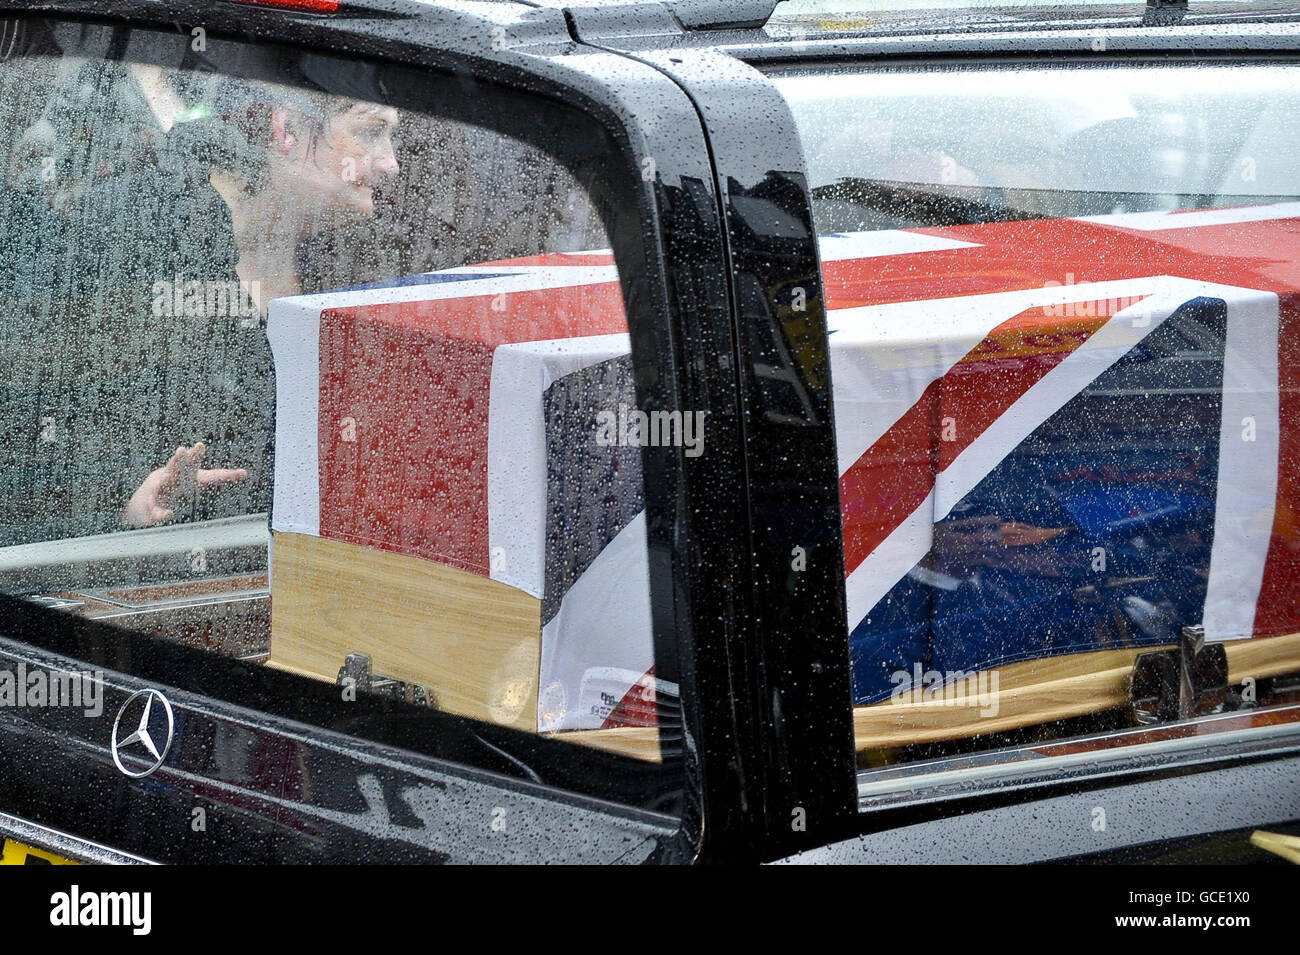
232	130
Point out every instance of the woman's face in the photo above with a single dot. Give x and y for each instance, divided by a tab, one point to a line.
333	176
357	149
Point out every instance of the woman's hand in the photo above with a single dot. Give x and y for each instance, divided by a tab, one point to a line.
177	481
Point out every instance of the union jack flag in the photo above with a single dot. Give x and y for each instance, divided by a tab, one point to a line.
1053	436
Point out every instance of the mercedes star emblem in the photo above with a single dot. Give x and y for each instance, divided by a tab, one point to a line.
147	742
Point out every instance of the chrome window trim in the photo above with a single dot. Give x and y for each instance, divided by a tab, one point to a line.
65	844
1020	768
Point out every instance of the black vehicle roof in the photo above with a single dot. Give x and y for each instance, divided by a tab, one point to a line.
753	30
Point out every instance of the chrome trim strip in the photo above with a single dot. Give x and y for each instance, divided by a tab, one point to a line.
1022	768
51	564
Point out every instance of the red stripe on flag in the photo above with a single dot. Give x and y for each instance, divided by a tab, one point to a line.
403	420
1008	256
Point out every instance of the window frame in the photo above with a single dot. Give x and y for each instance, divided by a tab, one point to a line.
883	804
790	648
652	254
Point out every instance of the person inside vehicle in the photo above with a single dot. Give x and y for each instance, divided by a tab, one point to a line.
321	168
160	383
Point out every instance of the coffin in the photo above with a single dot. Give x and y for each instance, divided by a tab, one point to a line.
438	503
1060	442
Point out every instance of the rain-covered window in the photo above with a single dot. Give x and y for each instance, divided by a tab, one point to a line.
1062	302
296	376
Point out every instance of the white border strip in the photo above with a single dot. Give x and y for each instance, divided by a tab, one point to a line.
495	280
293	328
1246	496
1164	221
838	246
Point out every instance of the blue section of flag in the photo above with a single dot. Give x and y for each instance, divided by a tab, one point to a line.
426	278
1093	534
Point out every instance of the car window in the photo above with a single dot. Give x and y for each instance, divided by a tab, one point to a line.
302	372
1061	302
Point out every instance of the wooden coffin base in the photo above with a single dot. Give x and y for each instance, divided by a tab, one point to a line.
474	643
1053	688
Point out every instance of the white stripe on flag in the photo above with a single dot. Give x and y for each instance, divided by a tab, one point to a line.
1164	221
603	625
1248	459
495	280
883	357
866	245
293	330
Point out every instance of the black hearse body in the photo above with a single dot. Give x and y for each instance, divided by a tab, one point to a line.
709	210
